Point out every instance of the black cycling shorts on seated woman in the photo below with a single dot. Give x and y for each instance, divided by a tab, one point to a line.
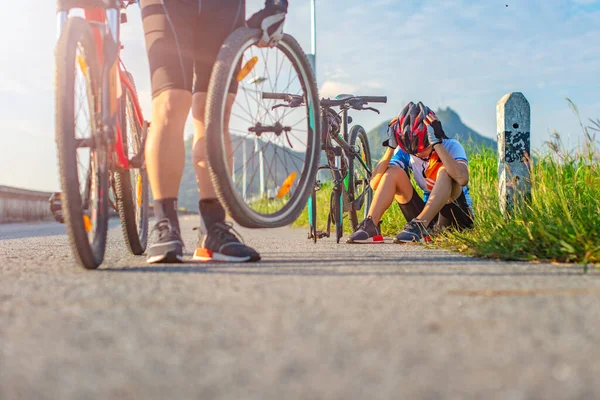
183	38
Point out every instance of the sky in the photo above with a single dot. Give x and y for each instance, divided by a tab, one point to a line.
458	53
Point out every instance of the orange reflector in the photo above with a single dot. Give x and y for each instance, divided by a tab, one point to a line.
138	189
82	64
287	184
247	68
87	223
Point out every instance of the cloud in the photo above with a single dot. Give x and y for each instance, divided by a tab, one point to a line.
333	88
12	86
374	84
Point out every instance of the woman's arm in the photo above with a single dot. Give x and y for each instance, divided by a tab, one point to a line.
457	171
381	167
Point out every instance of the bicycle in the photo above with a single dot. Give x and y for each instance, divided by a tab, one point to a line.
100	132
267	185
348	158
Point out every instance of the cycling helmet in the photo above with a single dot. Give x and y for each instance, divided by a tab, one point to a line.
410	128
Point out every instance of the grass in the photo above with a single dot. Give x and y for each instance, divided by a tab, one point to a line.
561	223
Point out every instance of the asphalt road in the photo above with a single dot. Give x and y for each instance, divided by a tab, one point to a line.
320	321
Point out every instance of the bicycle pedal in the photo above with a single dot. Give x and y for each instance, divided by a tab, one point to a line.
56	207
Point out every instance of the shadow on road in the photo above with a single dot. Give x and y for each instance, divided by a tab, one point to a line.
417	266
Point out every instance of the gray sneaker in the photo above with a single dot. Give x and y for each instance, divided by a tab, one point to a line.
221	244
166	246
414	231
367	232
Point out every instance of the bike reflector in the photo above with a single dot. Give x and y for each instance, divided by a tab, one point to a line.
247	68
138	187
82	64
287	184
87	223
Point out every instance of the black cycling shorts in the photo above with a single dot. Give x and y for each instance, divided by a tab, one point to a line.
183	38
456	214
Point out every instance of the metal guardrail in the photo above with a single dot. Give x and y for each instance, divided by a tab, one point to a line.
18	204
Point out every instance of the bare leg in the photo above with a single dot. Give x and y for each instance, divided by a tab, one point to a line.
165	159
165	153
394	183
205	186
213	245
444	191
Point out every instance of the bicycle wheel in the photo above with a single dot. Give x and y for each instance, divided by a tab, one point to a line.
337	213
360	193
82	154
312	215
263	159
131	185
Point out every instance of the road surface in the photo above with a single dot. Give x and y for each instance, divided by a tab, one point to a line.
320	321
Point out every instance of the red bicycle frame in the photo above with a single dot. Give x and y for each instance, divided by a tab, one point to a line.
105	24
121	158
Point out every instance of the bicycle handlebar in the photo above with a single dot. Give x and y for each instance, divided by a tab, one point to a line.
356	102
275	96
362	100
374	99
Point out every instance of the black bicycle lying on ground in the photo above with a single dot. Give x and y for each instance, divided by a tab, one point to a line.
347	156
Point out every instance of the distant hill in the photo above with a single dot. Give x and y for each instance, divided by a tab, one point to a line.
453	126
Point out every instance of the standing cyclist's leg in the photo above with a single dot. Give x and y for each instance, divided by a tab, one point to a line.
169	36
217	242
206	190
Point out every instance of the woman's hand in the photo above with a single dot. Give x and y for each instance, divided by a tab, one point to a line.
270	19
435	132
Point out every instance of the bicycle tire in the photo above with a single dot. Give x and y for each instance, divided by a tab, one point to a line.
358	136
312	215
337	213
222	74
133	208
77	35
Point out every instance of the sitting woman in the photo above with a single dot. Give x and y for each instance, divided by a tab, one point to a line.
440	168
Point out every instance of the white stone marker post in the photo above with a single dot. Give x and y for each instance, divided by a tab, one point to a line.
514	150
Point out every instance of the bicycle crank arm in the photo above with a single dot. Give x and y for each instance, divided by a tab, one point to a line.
137	161
277	129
